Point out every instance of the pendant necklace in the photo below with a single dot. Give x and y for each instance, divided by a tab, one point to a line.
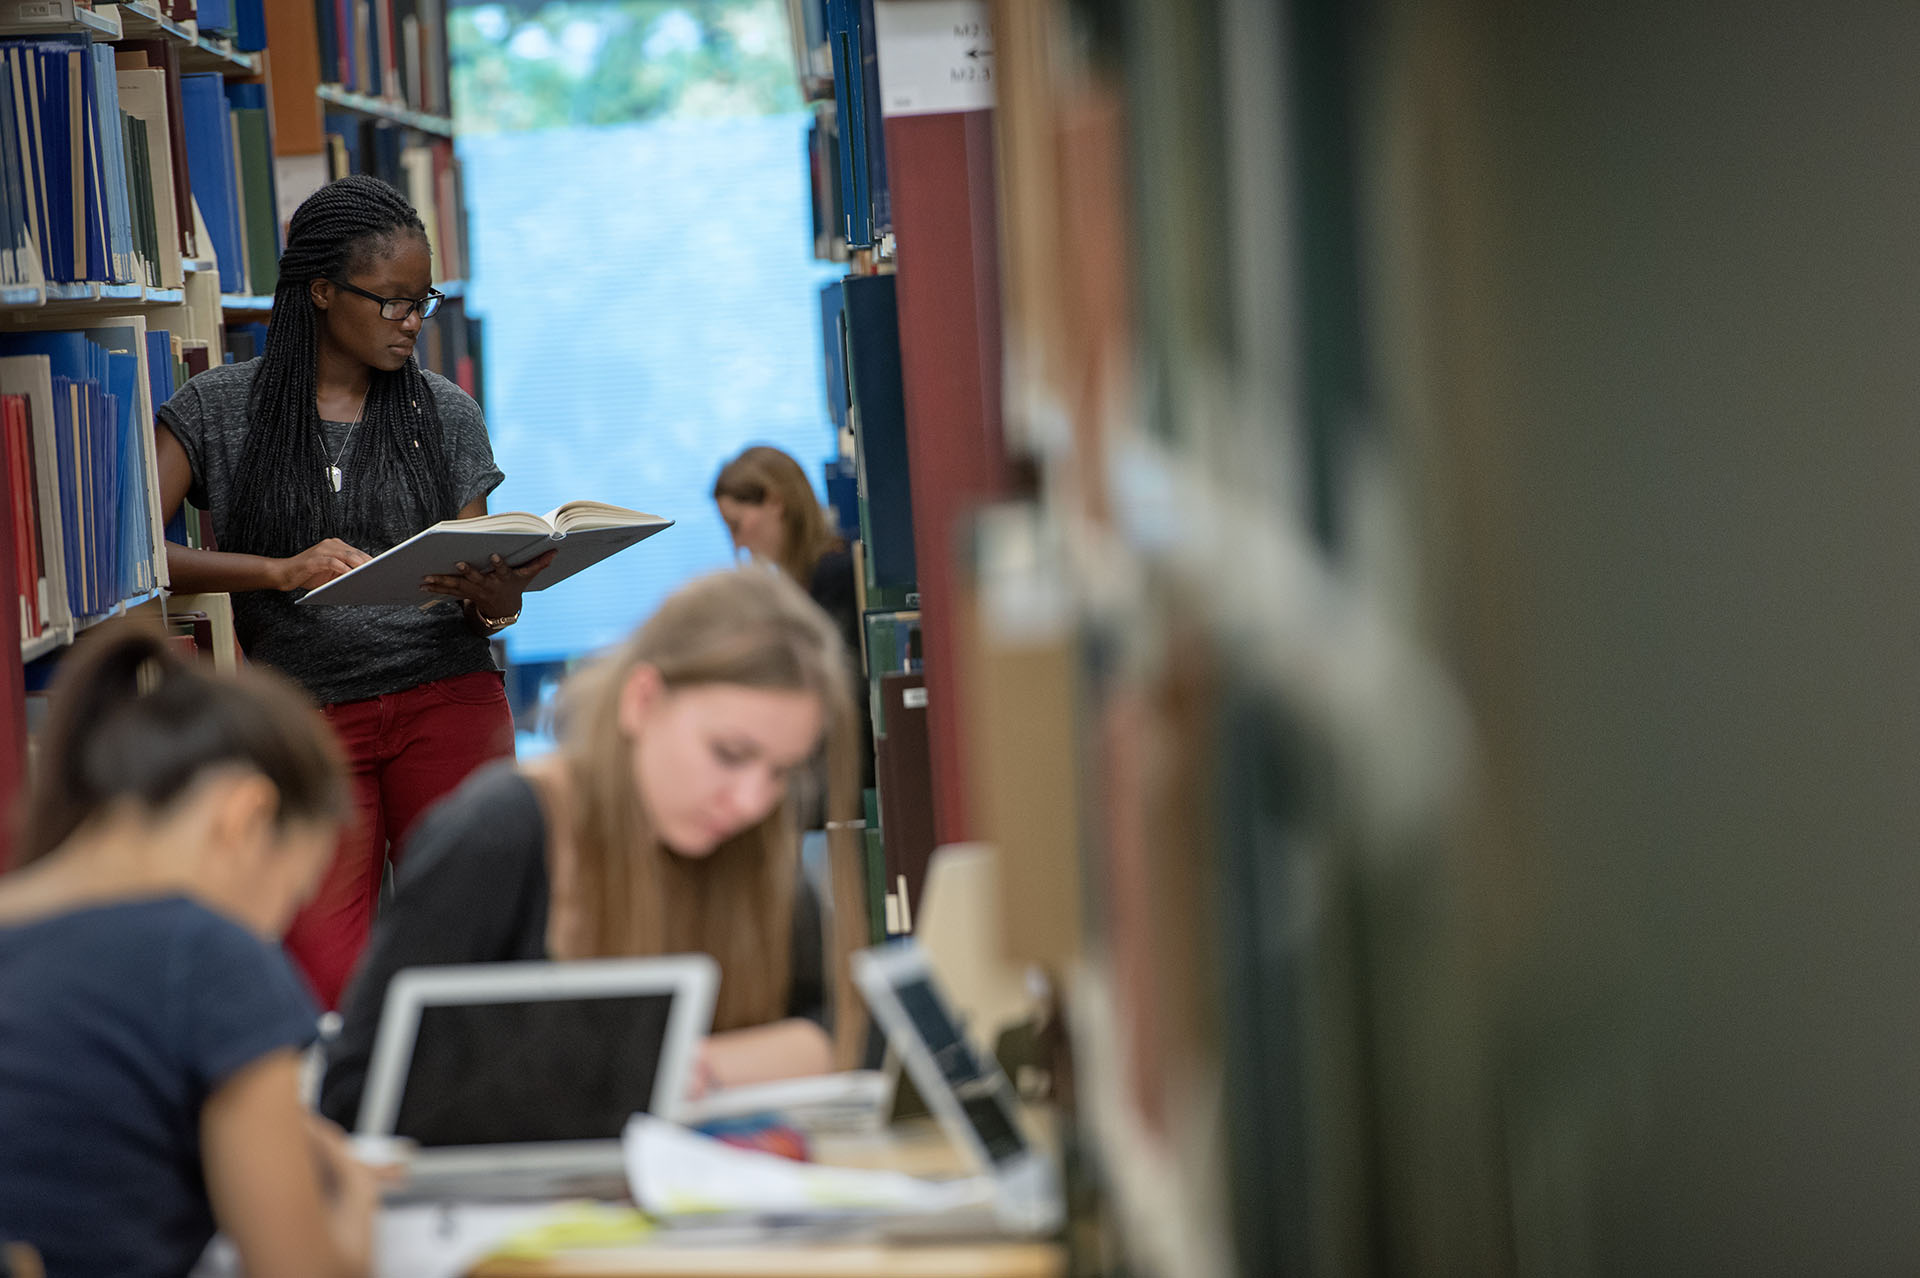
333	467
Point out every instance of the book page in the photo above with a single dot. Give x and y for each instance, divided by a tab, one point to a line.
599	514
506	521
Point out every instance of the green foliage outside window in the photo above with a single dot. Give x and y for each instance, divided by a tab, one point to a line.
578	63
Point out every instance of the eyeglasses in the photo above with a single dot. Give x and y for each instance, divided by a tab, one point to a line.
398	308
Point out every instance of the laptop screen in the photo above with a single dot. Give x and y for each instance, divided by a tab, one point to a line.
531	1071
983	1093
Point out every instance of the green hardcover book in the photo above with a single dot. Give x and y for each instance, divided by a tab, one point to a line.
881	658
876	870
257	200
146	236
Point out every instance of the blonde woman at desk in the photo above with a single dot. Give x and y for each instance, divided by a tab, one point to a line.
662	824
150	1027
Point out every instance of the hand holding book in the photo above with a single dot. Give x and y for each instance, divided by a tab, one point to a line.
494	594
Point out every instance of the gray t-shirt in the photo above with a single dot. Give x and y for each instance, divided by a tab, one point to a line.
348	653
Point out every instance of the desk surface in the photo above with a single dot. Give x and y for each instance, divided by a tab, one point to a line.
804	1260
918	1149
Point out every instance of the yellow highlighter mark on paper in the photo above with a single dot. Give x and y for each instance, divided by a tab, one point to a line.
577	1225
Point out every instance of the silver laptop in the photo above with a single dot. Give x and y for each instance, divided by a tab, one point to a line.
1014	1189
969	1094
515	1079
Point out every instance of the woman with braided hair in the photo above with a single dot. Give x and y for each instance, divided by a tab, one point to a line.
334	446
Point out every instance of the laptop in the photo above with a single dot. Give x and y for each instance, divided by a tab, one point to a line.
968	1093
1014	1189
515	1079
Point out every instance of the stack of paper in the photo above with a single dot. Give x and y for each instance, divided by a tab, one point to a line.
675	1172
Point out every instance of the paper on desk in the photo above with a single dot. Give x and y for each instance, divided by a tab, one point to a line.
675	1172
433	1240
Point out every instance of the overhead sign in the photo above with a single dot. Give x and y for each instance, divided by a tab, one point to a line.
935	56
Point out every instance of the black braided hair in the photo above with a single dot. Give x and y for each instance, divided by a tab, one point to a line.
284	503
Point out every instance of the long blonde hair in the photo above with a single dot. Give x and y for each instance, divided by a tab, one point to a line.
627	894
763	472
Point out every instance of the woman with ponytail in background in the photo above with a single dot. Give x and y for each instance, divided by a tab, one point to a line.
334	446
150	1029
773	515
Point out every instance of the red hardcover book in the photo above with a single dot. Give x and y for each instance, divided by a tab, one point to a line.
446	197
17	532
390	85
36	544
26	518
343	43
25	521
904	771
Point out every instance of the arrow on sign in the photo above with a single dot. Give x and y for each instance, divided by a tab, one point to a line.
979	53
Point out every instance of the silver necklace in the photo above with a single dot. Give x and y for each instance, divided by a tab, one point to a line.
333	467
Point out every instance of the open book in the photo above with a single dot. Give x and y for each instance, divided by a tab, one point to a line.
583	532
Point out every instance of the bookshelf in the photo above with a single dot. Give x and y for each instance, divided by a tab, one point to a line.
175	271
384	109
58	17
255	307
861	359
219	57
60	301
1128	344
141	19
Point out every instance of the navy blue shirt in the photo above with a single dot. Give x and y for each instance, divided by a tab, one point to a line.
117	1022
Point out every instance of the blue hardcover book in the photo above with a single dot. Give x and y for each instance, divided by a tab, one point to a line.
69	354
160	365
134	550
325	26
215	17
160	384
245	342
123	501
879	202
106	496
347	129
843	497
49	71
117	200
247	97
850	101
85	480
13	209
250	25
880	417
69	66
22	83
91	520
209	131
834	343
92	159
67	459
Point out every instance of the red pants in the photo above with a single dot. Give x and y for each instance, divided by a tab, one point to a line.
408	749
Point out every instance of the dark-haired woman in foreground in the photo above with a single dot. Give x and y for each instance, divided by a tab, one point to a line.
334	446
150	1029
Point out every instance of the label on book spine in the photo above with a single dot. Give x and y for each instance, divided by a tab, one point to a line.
935	56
